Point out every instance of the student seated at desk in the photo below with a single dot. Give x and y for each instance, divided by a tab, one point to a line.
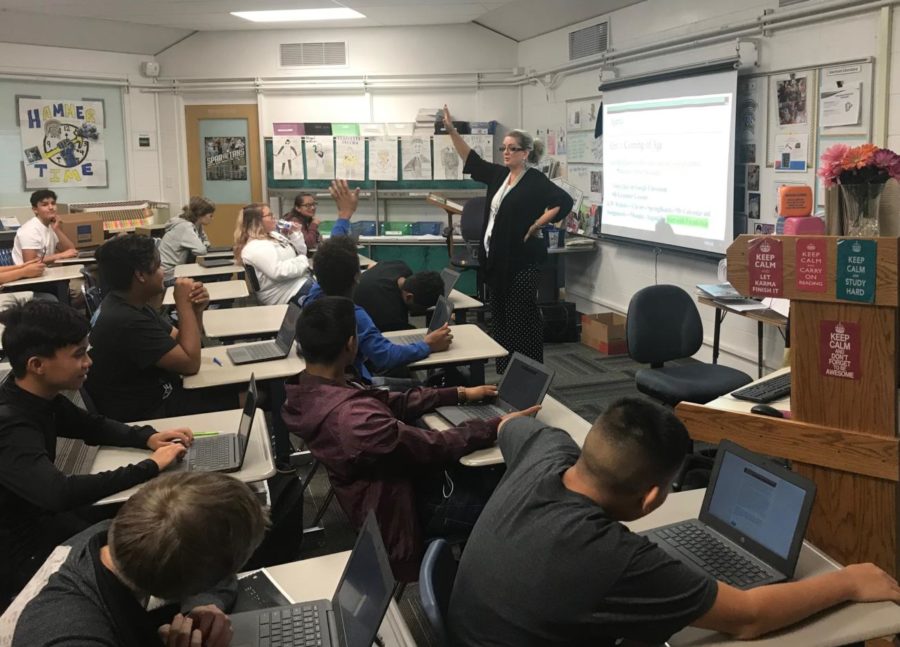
40	506
41	237
185	235
549	562
389	292
139	358
377	459
304	213
180	539
280	262
337	273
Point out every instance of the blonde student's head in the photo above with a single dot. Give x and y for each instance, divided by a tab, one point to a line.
254	222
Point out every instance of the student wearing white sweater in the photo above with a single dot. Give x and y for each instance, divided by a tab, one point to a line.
280	262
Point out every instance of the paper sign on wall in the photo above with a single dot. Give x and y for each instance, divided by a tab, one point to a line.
856	260
765	262
839	343
811	260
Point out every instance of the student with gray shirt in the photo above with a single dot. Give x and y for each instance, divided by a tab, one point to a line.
173	549
185	236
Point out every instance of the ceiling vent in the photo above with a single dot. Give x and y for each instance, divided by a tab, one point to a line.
589	41
313	54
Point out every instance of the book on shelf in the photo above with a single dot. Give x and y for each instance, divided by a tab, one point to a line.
444	203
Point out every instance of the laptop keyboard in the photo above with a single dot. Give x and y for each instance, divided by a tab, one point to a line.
209	454
261	351
713	555
292	627
481	411
408	339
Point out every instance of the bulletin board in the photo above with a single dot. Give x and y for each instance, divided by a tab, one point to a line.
584	164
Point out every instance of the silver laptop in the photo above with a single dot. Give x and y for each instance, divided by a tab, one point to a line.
751	524
350	619
524	385
224	452
268	350
449	277
443	310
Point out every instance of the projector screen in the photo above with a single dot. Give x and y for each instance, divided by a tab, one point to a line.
668	157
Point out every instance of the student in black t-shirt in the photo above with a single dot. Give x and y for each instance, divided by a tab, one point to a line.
389	292
139	358
549	562
40	506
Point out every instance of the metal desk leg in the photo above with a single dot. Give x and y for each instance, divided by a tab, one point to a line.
720	314
759	347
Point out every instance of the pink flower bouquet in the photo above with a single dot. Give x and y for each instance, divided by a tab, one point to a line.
842	164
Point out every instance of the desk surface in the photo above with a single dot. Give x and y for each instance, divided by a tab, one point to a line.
60	273
729	403
237	322
848	623
764	315
212	374
365	261
218	291
553	412
84	260
317	579
197	271
258	463
463	301
470	344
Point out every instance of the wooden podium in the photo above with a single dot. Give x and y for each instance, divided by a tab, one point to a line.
843	430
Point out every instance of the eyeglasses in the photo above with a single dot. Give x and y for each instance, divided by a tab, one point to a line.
310	204
511	149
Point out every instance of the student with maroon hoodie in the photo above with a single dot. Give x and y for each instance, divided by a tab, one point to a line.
376	457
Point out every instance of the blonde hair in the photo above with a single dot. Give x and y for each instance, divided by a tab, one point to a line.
182	533
249	227
197	208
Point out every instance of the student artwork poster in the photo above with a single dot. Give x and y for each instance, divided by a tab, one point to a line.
415	152
62	143
383	158
350	156
319	157
287	151
447	164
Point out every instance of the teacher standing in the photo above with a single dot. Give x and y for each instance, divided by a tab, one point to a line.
520	200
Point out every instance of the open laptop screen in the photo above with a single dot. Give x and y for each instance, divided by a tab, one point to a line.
363	595
288	327
247	417
523	384
757	503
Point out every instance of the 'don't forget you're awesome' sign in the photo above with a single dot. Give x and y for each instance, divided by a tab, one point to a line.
62	143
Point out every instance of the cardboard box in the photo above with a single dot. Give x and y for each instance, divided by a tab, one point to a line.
83	229
604	332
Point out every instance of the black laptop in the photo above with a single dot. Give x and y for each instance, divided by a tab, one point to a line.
350	619
443	310
751	524
205	261
449	277
220	248
224	452
268	350
524	385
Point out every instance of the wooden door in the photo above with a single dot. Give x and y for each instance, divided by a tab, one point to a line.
223	161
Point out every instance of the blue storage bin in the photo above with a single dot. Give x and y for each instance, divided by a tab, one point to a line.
426	228
363	228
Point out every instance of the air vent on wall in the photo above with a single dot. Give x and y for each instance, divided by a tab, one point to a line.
589	41
313	54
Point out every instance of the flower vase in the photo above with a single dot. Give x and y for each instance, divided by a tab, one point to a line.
861	202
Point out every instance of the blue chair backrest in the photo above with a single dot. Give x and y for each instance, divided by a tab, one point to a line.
436	576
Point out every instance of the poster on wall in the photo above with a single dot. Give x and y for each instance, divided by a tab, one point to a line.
415	153
383	158
62	143
447	164
350	155
481	144
319	157
226	158
287	151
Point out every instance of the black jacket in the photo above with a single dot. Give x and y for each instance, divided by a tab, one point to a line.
36	499
524	204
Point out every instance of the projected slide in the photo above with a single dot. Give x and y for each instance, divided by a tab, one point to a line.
668	161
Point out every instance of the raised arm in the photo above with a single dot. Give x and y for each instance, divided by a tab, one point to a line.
462	148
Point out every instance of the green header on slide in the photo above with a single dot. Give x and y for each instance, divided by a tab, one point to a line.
658	104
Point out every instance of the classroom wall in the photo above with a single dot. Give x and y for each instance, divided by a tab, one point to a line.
63	73
607	279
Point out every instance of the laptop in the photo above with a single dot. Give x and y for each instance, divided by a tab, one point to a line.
443	310
204	261
751	524
350	619
220	248
225	452
268	350
524	385
449	277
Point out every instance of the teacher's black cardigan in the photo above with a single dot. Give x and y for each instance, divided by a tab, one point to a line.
524	204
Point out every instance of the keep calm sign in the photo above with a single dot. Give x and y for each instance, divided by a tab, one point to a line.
765	263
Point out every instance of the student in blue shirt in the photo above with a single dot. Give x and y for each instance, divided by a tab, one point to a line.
337	272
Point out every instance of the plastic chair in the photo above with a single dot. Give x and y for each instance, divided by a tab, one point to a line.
663	324
436	576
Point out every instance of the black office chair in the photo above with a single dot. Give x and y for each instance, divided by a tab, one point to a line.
662	325
465	256
436	576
